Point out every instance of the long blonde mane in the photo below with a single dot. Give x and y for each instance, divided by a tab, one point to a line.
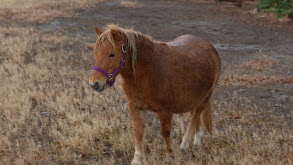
131	36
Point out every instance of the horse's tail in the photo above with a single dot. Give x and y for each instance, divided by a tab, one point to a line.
206	116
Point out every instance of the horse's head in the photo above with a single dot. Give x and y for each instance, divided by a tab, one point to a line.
110	57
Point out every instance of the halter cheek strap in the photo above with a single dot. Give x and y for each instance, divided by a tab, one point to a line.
110	77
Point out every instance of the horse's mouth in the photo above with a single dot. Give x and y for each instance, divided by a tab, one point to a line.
101	89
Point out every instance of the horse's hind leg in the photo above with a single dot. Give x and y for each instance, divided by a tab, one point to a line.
166	123
195	121
198	136
206	121
194	126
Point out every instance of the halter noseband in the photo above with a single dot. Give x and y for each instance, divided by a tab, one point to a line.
111	76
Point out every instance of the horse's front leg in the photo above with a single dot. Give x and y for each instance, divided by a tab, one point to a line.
166	123
138	125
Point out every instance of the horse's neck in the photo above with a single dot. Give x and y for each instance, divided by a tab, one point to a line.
144	60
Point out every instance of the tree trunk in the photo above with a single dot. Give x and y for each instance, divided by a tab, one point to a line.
291	6
239	3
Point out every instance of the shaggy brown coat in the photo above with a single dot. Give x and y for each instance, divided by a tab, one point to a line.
173	77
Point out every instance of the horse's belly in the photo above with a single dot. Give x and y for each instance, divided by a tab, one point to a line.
157	104
183	106
180	104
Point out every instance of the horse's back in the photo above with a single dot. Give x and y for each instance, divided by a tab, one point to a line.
197	51
191	43
183	40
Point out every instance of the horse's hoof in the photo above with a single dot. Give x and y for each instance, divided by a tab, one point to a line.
169	150
197	142
136	162
184	147
170	156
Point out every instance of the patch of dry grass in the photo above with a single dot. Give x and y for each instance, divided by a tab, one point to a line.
41	11
258	72
49	114
132	4
254	80
259	65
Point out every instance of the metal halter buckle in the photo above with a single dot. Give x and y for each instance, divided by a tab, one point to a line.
110	77
123	48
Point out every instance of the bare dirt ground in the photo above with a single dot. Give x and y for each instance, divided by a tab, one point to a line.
50	115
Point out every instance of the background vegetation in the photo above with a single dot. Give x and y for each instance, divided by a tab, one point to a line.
278	7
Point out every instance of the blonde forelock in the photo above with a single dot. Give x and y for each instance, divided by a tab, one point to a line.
130	34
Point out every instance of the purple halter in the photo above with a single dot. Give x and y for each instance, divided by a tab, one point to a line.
111	76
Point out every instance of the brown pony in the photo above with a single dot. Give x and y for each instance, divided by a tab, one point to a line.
173	77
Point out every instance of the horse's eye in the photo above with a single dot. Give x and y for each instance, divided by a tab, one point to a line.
112	55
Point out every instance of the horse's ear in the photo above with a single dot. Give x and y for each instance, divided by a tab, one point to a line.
115	34
98	31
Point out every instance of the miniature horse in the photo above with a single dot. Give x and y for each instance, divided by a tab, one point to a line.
166	78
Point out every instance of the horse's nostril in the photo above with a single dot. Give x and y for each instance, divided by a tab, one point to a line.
95	85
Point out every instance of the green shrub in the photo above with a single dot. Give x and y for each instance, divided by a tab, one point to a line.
279	7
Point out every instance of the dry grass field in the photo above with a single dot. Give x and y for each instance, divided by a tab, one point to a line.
50	115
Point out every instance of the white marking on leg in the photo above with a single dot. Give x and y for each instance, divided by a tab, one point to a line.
185	142
139	152
137	160
198	137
